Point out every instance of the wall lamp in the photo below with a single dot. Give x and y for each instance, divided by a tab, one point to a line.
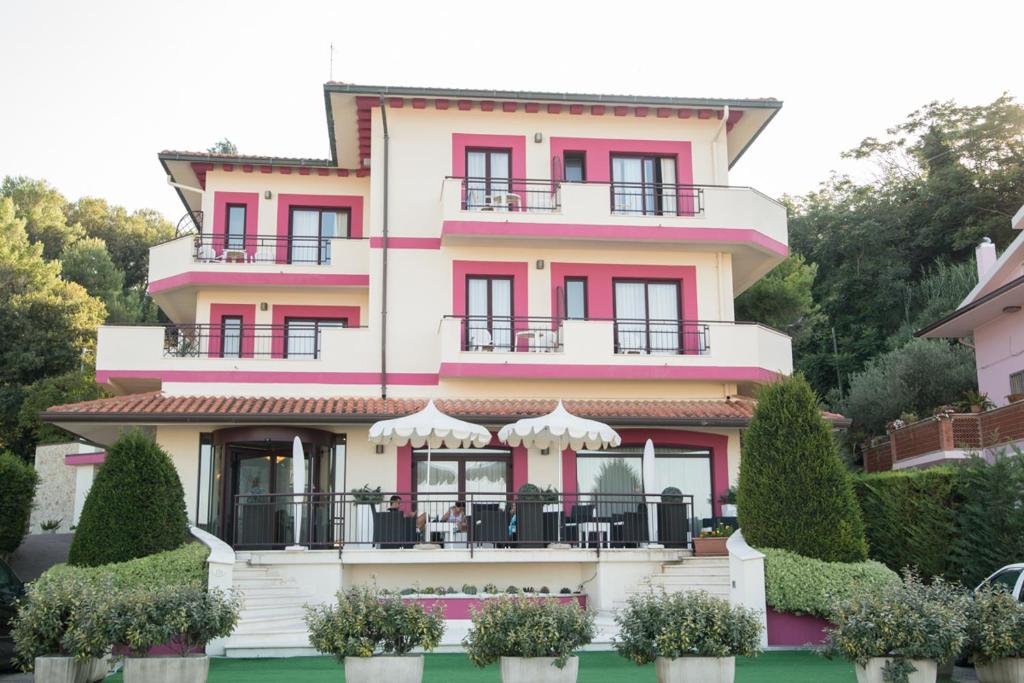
1011	309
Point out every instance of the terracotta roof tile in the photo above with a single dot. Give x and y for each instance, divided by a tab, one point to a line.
363	409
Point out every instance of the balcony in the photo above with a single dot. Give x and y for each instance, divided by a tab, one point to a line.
612	349
139	358
177	269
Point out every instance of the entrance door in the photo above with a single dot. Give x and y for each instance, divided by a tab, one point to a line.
262	520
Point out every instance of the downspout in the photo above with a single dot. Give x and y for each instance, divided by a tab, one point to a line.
384	264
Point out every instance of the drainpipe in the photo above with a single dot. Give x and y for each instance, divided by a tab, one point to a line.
384	264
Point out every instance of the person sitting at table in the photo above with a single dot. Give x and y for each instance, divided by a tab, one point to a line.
456	514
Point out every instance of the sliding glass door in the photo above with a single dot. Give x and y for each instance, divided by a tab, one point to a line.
647	317
644	185
489	314
487	177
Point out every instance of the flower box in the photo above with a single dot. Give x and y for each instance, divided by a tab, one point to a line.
710	547
461	606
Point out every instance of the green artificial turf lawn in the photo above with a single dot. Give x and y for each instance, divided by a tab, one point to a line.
595	667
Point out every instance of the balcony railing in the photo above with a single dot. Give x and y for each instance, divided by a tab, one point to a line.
296	340
545	335
510	194
262	249
484	520
657	199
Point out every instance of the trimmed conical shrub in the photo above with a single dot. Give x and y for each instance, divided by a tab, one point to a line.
136	506
794	492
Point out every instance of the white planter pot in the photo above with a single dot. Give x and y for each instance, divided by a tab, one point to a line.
728	509
1005	670
407	669
363	528
100	668
692	669
927	670
538	670
169	669
62	670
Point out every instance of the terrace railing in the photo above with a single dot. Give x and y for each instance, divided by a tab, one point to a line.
661	337
349	521
295	341
266	249
510	194
510	333
657	199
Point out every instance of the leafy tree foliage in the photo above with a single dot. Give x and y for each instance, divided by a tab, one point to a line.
136	506
784	299
71	387
41	207
88	263
224	146
17	489
794	492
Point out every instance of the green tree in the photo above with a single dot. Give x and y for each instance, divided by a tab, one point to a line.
794	492
88	263
71	387
136	506
224	146
41	207
17	489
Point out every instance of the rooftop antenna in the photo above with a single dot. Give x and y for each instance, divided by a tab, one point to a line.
332	63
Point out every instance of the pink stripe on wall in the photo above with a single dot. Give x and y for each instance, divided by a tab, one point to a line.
715	373
217	314
228	278
599	151
406	242
78	459
270	377
251	200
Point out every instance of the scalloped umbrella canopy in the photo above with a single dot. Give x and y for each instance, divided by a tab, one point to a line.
559	430
431	428
298	484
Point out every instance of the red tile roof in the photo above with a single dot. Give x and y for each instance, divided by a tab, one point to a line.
156	406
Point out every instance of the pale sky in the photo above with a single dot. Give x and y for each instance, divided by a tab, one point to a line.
91	91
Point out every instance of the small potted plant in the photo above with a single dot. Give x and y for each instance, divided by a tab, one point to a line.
974	402
181	618
372	633
50	526
728	501
60	630
690	636
898	633
712	541
533	638
995	636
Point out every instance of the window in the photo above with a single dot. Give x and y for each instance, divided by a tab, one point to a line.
576	298
210	475
455	471
234	235
302	335
1017	382
575	167
489	313
1006	579
620	471
487	178
644	185
647	317
310	230
231	336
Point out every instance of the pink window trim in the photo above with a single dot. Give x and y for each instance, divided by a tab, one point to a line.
285	202
600	279
350	314
718	444
247	312
221	200
517	271
600	150
515	143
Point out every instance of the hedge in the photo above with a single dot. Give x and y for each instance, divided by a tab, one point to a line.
184	566
909	518
18	482
794	492
804	585
135	508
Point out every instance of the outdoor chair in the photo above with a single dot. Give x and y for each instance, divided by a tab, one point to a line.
392	529
490	526
672	524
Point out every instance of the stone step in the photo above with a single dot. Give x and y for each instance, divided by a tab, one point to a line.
276	627
273	592
262	614
274	600
688	580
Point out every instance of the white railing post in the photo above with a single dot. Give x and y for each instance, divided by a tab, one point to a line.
221	567
746	575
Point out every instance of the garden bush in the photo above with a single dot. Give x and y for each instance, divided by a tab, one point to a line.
365	622
908	517
184	618
804	585
18	482
184	566
995	625
136	506
908	620
527	627
688	624
794	492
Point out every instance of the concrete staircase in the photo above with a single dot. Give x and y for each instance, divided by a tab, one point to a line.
710	574
271	622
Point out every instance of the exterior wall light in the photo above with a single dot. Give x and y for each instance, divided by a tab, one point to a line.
540	264
263	305
538	137
378	449
267	194
1011	309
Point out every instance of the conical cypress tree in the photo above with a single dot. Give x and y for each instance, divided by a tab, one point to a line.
794	492
136	506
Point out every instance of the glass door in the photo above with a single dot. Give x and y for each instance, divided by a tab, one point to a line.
489	314
644	185
487	178
262	520
647	317
302	336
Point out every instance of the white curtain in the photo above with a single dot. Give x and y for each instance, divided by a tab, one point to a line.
300	336
663	300
630	314
629	171
231	343
476	182
669	196
305	234
501	314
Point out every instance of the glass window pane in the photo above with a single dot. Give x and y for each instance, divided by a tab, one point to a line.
486	476
231	337
692	476
1006	579
305	235
300	337
663	303
206	483
630	317
575	299
236	227
574	168
501	314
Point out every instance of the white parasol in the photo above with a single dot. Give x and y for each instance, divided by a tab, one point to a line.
651	494
298	485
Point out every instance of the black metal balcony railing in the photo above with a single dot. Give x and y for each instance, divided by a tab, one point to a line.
661	337
511	333
657	199
262	249
510	194
295	340
485	520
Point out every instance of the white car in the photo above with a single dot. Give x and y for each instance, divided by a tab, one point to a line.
1011	577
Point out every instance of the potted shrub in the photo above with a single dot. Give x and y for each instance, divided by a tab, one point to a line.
690	636
995	636
974	402
372	634
533	638
182	618
366	500
61	631
899	632
728	501
712	541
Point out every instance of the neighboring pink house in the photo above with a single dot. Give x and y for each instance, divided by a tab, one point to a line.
991	314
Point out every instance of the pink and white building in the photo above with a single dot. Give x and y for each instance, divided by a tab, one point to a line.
494	251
